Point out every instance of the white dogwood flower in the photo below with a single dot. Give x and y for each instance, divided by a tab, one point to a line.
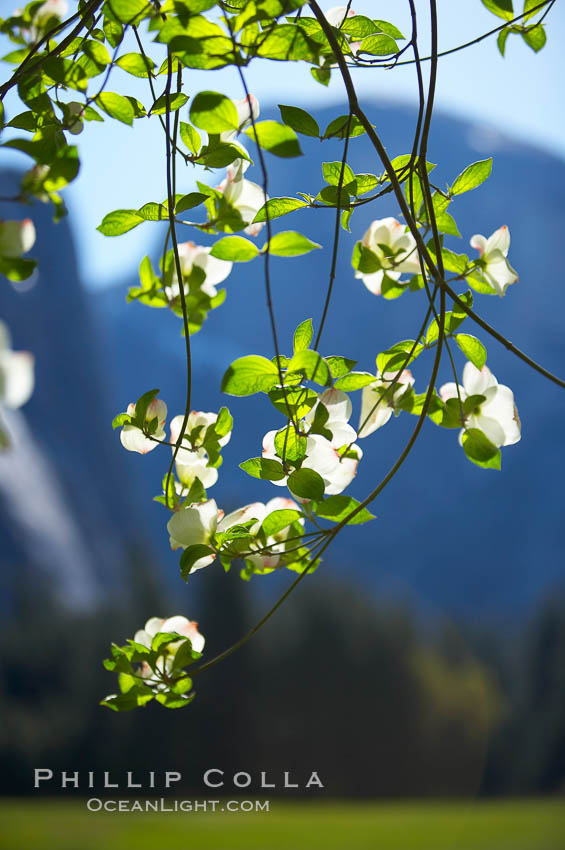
492	262
216	270
376	408
321	456
191	458
194	524
196	426
339	409
496	416
133	439
16	237
244	195
395	248
179	624
268	554
16	372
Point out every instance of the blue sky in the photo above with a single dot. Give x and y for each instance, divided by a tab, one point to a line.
521	95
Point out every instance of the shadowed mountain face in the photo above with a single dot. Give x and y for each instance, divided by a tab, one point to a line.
450	535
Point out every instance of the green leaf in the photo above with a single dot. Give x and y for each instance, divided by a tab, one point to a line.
277	520
264	468
213	112
528	5
118	222
332	173
120	420
339	366
16	268
190	136
311	365
63	170
289	445
135	64
300	120
306	484
153	212
480	450
379	45
235	249
116	106
134	698
276	138
290	243
299	399
336	508
277	207
337	129
472	176
503	8
249	375
446	224
389	28
172	101
190	556
188	202
501	40
473	349
303	335
535	37
354	381
130	11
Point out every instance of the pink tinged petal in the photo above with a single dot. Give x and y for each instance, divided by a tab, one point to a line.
342	435
153	626
373	281
338	405
342	476
478	242
255	510
499	241
279	503
134	440
476	381
370	420
269	444
449	390
502	408
192	525
320	455
500	273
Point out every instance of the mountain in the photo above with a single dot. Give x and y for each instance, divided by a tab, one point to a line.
448	535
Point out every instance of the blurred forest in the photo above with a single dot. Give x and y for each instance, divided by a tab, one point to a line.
376	699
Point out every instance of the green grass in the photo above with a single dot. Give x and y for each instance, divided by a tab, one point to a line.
509	825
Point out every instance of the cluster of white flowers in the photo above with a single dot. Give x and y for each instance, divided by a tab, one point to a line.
496	414
192	459
323	452
395	249
395	252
